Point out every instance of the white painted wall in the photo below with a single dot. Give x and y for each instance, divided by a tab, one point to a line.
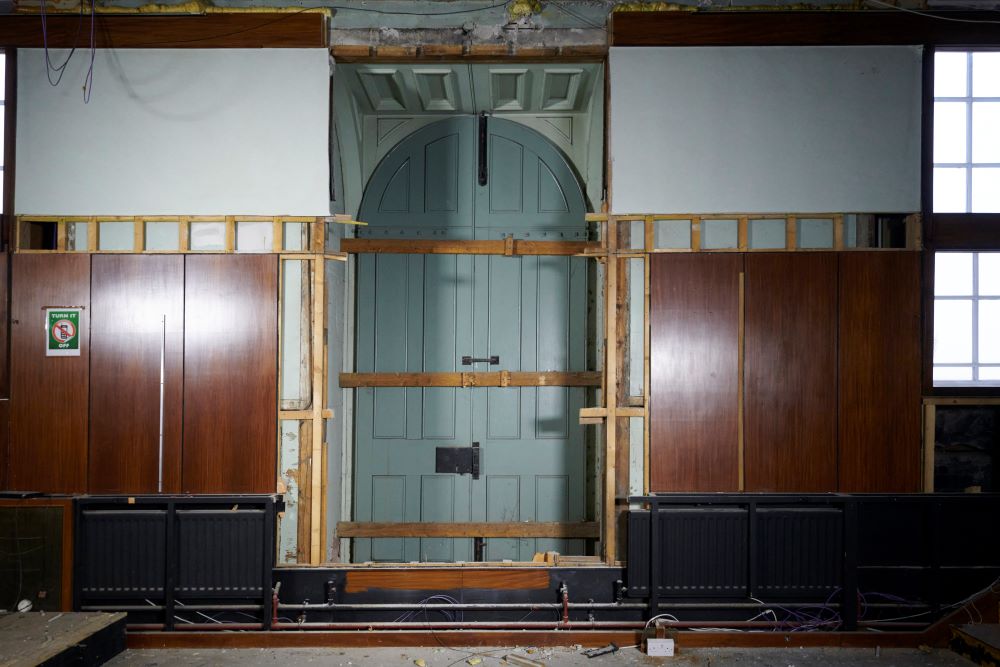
192	131
765	129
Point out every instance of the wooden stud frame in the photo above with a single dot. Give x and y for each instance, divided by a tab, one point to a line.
930	406
229	246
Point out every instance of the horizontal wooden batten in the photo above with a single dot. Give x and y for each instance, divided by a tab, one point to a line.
290	30
507	247
802	28
360	53
446	578
486	379
427	529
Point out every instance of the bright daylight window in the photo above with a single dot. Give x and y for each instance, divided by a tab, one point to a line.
967	319
967	132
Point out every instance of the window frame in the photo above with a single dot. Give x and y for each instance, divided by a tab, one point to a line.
957	232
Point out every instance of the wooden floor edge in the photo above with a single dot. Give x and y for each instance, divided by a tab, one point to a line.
365	638
587	638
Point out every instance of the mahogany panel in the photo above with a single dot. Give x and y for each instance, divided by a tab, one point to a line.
4	325
879	404
48	429
137	311
694	359
4	441
235	31
230	374
445	579
790	372
801	28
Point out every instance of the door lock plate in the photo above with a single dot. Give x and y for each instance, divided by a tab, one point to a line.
457	460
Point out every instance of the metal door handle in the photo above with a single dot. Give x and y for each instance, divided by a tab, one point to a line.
492	360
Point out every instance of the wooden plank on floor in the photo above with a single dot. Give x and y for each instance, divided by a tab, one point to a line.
35	639
446	579
468	529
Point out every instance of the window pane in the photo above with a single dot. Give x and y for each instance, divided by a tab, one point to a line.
985	190
952	332
719	234
950	76
989	274
254	236
989	373
949	132
953	274
989	331
3	76
986	74
949	190
671	233
952	373
162	235
986	132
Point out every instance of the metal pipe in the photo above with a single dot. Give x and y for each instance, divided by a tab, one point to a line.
188	607
462	606
564	589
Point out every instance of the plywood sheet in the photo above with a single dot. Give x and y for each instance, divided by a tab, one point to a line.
49	395
879	346
137	312
694	378
230	374
790	372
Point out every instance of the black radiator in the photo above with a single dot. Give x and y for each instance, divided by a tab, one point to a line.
855	553
171	559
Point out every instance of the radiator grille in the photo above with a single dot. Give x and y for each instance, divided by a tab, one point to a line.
221	553
800	551
123	553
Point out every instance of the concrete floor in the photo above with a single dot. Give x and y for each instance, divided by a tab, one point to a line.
487	657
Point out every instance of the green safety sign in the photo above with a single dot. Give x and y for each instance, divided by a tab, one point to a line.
62	332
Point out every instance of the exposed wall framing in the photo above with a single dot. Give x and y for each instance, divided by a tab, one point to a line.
291	238
930	406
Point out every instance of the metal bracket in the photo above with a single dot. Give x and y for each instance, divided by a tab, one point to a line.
491	360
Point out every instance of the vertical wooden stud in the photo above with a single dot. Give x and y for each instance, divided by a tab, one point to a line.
791	243
61	235
230	243
838	232
139	235
930	436
316	481
184	233
743	232
610	395
93	237
695	233
650	237
278	235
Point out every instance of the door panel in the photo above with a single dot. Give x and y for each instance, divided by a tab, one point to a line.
138	310
48	395
423	313
694	372
791	372
230	390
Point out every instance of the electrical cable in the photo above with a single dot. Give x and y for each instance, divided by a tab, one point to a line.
584	20
928	14
49	68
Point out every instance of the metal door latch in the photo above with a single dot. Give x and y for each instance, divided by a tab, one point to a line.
457	460
491	360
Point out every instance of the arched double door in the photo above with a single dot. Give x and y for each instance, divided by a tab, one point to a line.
424	313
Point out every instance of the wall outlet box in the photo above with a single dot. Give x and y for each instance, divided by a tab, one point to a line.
660	647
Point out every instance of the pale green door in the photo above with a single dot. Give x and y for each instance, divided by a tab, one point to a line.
421	313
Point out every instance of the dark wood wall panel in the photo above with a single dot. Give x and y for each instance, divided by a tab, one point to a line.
131	294
230	374
694	326
205	31
879	421
790	372
48	448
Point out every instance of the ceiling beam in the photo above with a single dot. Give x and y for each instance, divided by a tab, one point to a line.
202	31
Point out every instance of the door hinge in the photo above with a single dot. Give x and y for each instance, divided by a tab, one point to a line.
483	149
